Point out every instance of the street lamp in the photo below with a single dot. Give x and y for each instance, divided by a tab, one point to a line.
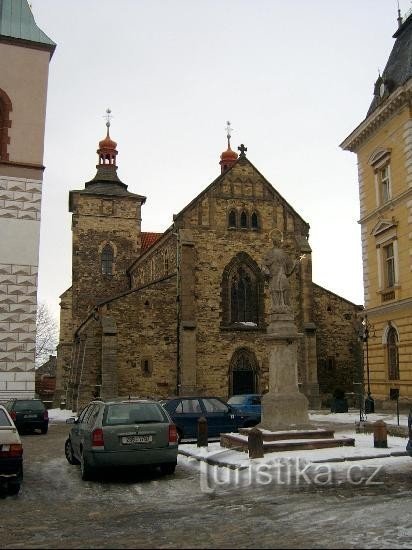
369	402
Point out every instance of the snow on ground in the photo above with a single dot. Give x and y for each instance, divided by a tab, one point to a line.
59	415
363	449
353	416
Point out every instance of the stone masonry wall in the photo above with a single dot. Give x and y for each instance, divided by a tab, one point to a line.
338	347
94	226
144	342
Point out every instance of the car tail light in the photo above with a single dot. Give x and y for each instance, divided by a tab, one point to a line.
172	434
13	416
16	449
46	415
13	450
97	438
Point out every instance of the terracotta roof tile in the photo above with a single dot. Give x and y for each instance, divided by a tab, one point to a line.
148	239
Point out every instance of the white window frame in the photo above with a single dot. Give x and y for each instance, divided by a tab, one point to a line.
380	161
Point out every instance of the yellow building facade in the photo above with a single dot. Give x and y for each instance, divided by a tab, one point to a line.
383	144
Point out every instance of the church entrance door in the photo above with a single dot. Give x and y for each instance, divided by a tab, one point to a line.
243	373
243	382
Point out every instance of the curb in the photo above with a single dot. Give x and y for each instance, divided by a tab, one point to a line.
213	462
221	463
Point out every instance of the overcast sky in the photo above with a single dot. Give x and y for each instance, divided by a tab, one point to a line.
294	77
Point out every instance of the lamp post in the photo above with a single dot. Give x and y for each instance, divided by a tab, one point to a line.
369	402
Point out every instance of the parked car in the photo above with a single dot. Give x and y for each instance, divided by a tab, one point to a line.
409	444
28	414
11	454
120	433
221	417
248	403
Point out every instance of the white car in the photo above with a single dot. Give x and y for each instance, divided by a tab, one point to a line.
11	454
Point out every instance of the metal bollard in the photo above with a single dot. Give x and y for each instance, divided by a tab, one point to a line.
255	443
202	432
380	434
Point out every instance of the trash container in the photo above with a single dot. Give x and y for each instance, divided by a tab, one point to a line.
369	405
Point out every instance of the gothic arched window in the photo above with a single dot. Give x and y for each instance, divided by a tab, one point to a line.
254	221
242	292
243	299
393	354
107	260
243	219
232	218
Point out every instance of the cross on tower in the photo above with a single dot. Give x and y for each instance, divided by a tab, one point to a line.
242	150
108	116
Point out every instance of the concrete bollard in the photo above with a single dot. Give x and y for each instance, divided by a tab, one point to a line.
255	443
202	432
380	434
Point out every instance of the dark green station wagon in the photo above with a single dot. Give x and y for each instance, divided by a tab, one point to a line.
122	433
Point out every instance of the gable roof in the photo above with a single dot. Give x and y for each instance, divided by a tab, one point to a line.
240	160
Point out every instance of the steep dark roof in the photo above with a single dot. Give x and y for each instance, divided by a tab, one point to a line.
398	69
105	182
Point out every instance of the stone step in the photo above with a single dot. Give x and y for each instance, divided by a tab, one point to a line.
292	434
240	442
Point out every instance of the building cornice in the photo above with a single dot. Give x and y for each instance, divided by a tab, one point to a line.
390	205
401	97
389	308
22	164
23	43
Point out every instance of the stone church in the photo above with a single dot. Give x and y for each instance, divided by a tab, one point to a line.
185	311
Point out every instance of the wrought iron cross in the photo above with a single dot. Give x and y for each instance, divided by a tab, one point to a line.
242	150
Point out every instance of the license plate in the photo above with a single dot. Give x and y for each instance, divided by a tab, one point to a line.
30	416
130	439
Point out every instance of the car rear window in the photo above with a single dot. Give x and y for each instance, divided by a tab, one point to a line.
4	419
133	413
31	405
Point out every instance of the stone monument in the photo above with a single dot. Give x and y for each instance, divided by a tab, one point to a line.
284	407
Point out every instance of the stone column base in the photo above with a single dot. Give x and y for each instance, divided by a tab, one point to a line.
286	411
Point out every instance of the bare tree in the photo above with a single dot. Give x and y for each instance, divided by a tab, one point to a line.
46	335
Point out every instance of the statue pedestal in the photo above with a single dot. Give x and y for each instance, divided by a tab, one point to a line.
284	407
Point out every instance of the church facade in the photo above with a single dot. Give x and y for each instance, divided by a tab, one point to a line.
186	311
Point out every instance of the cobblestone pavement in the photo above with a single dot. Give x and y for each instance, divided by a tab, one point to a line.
55	509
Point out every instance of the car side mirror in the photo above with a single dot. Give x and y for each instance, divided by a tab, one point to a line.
71	420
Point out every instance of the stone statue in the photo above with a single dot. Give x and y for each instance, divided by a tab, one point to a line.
278	266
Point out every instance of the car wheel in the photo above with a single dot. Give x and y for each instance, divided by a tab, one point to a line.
179	436
68	451
168	468
44	429
86	470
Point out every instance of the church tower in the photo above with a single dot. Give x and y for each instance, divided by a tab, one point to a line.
106	230
25	53
383	144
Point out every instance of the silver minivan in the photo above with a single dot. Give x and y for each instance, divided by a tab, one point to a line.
119	433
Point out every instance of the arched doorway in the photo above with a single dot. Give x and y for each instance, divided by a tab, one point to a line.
243	373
